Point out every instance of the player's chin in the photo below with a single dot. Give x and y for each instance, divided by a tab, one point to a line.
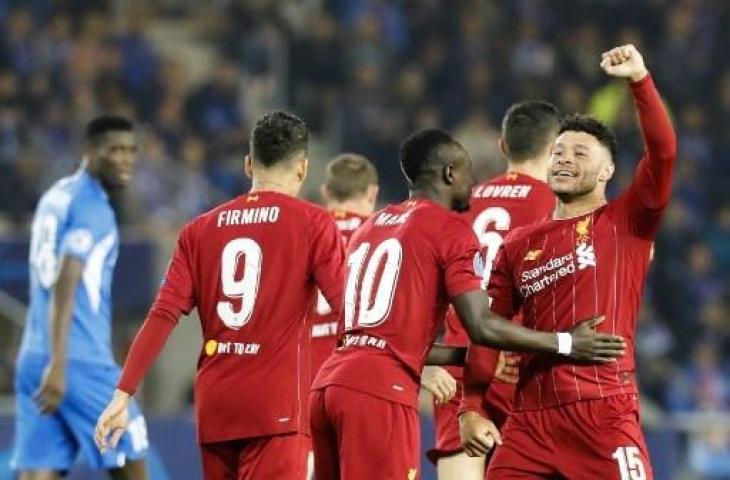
122	180
564	185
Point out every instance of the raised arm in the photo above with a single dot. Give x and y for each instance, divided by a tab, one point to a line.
651	189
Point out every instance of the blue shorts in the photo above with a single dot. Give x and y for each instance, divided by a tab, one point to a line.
54	442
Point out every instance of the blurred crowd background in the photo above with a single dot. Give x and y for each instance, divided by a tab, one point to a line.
363	74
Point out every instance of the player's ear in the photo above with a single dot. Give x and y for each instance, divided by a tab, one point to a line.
606	171
448	173
303	167
372	193
324	193
248	166
502	146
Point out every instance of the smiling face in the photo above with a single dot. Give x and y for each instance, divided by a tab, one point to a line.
579	165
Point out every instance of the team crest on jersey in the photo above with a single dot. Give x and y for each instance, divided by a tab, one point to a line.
583	230
479	264
252	198
533	255
511	176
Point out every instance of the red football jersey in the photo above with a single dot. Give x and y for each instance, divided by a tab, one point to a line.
251	267
404	264
499	205
562	271
324	320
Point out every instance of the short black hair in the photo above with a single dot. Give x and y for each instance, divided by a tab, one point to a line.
528	127
422	151
277	136
580	122
102	124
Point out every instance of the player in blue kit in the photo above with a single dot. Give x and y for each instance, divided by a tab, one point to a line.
65	371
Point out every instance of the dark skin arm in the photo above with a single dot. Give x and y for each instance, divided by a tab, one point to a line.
486	328
446	355
53	386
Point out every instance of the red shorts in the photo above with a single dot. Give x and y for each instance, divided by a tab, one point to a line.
446	418
277	456
587	439
446	427
357	436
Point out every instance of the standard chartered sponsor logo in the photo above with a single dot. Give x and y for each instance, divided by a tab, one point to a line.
537	279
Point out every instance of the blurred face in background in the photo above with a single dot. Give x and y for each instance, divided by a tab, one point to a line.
579	165
113	157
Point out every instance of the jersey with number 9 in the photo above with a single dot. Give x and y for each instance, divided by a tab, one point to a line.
251	267
403	266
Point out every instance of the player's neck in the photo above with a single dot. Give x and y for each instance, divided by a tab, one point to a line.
358	207
431	194
575	207
536	169
264	184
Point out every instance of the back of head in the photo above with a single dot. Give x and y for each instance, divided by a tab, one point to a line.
98	127
278	137
579	122
424	154
348	176
528	128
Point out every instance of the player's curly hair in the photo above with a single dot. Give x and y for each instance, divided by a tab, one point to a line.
277	136
579	122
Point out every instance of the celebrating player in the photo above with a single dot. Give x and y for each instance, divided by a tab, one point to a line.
251	267
519	197
404	265
65	368
349	191
571	420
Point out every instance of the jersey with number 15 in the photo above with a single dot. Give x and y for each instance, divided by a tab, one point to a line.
404	265
251	267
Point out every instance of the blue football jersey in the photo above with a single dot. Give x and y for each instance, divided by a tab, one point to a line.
74	217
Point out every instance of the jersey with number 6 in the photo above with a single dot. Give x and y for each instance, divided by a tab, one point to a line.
497	206
403	266
251	267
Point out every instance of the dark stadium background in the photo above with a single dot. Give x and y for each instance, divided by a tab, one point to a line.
364	73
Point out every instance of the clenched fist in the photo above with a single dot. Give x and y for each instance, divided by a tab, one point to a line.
624	62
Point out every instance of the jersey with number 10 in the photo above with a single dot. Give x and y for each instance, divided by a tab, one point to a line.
403	266
251	267
324	320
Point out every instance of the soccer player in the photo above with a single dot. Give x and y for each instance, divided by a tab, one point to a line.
404	266
251	266
65	369
518	197
349	192
571	420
